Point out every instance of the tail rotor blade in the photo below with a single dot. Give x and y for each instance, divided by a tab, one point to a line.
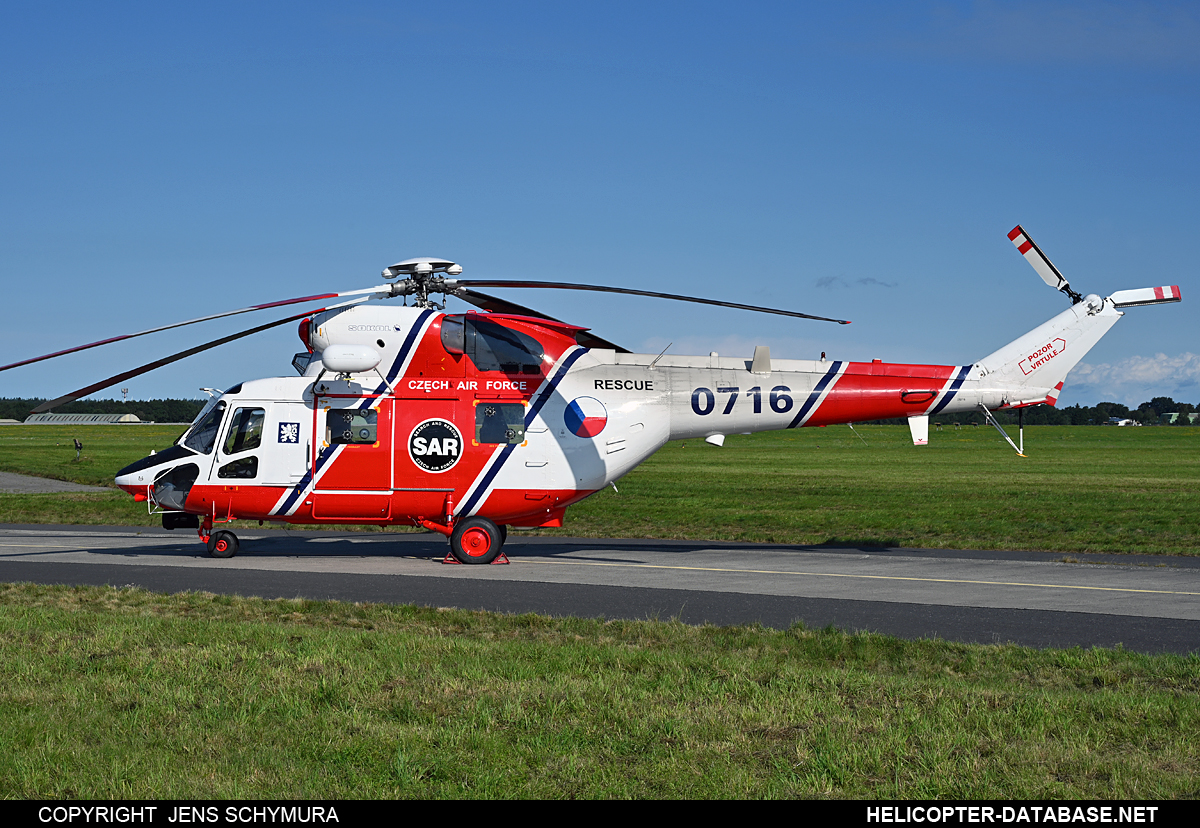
1041	262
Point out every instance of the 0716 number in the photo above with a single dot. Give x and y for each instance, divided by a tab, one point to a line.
704	400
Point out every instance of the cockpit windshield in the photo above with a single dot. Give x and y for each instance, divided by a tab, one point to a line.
203	435
208	406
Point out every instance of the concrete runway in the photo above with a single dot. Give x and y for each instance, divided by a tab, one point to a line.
24	484
1148	604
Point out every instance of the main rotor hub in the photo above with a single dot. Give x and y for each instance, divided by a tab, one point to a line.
424	276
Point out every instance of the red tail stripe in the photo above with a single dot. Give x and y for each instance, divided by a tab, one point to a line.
1025	248
1016	231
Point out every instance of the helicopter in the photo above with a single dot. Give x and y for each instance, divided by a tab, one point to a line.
467	424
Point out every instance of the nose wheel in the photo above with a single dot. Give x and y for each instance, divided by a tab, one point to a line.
222	544
476	541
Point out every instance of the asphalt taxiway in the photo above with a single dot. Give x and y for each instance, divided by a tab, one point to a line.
1147	604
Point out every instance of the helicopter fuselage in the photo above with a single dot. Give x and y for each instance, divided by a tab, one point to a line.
508	418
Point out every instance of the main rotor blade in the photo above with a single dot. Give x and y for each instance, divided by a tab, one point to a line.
264	306
158	363
492	303
632	292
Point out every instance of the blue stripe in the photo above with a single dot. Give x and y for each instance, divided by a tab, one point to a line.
324	456
530	416
402	354
954	386
327	453
816	393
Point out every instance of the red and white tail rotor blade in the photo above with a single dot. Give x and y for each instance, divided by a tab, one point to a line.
1040	261
1146	296
315	298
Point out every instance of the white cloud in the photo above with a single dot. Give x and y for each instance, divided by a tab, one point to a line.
1136	379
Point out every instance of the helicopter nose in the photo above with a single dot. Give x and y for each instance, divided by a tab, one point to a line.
135	477
135	482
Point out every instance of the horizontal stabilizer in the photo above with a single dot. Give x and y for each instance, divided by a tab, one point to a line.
1145	296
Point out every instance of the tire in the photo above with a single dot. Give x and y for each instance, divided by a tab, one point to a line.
503	534
222	544
475	541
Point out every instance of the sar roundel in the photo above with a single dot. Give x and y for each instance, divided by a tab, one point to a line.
586	417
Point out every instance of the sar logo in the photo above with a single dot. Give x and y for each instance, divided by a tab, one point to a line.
435	445
586	416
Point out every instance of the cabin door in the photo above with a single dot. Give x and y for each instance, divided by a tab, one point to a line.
354	459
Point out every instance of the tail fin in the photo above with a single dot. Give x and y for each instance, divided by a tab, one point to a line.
1033	367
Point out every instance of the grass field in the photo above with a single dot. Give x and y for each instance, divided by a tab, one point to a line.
123	693
1080	489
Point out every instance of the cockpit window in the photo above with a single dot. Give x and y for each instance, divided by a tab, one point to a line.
245	430
492	347
203	435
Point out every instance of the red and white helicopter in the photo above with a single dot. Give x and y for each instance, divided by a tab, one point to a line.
468	423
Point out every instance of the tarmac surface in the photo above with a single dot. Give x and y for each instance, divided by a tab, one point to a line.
1147	604
23	484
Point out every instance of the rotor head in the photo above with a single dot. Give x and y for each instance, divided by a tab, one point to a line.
424	276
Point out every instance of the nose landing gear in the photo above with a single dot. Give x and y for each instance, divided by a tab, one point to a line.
222	544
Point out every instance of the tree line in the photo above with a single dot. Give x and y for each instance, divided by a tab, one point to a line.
151	411
1148	413
184	411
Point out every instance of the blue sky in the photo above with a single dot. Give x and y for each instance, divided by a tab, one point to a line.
863	161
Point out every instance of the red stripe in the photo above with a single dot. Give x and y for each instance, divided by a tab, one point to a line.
1013	233
1158	293
872	391
1175	290
1025	247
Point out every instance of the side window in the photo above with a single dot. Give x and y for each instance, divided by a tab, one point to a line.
245	468
245	430
500	423
351	425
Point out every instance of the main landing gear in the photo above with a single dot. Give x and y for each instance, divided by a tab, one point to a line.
477	540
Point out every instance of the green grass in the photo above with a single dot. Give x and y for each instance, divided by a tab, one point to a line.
123	693
1080	489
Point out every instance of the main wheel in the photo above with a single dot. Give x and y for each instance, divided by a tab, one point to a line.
222	544
475	541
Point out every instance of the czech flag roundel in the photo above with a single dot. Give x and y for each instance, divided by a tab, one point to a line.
586	417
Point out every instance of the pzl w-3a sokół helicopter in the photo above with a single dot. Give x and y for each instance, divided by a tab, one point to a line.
469	423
